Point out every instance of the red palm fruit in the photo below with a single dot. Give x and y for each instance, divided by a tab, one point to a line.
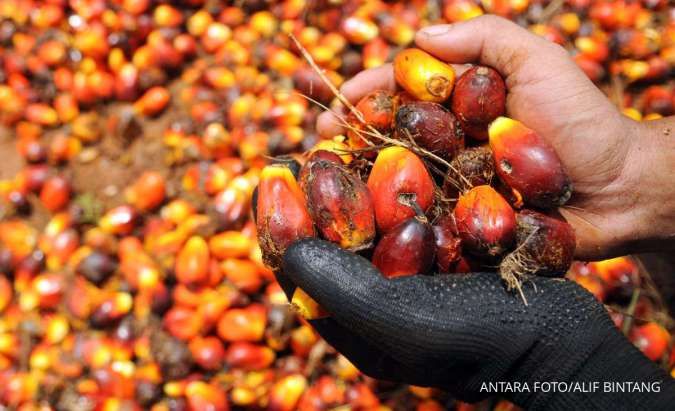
243	324
361	397
192	262
281	215
545	247
593	70
55	193
308	82
658	99
528	164
147	192
205	397
479	98
317	156
448	243
5	293
49	289
398	171
285	393
472	167
431	126
652	339
207	352
248	356
340	205
407	249
126	82
486	223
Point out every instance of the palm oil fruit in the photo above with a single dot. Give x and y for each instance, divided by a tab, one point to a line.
485	221
424	76
340	205
479	97
448	243
305	305
431	126
407	249
545	246
282	214
398	171
377	109
528	164
472	167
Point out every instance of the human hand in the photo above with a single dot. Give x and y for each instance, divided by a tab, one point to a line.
459	332
609	157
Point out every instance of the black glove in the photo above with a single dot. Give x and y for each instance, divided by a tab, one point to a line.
461	332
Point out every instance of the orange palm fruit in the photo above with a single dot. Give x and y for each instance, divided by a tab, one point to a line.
55	193
243	324
652	339
282	214
192	262
423	75
528	164
183	323
202	396
398	171
359	30
153	101
305	305
485	221
285	393
147	192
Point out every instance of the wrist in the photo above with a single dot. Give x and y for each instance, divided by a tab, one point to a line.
649	188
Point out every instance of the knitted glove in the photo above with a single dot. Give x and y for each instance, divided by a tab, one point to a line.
461	332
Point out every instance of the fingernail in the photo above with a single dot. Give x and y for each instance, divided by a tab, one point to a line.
437	30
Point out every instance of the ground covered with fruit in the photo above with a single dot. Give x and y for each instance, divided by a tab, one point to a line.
132	136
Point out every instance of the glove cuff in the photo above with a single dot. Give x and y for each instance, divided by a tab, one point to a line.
611	375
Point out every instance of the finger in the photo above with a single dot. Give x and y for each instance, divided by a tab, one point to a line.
330	123
489	40
397	315
379	78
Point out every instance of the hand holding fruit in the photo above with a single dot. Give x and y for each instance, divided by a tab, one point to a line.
612	161
456	332
449	331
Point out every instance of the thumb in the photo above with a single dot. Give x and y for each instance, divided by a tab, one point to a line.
345	284
492	41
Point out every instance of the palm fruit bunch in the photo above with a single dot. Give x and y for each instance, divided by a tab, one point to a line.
430	178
